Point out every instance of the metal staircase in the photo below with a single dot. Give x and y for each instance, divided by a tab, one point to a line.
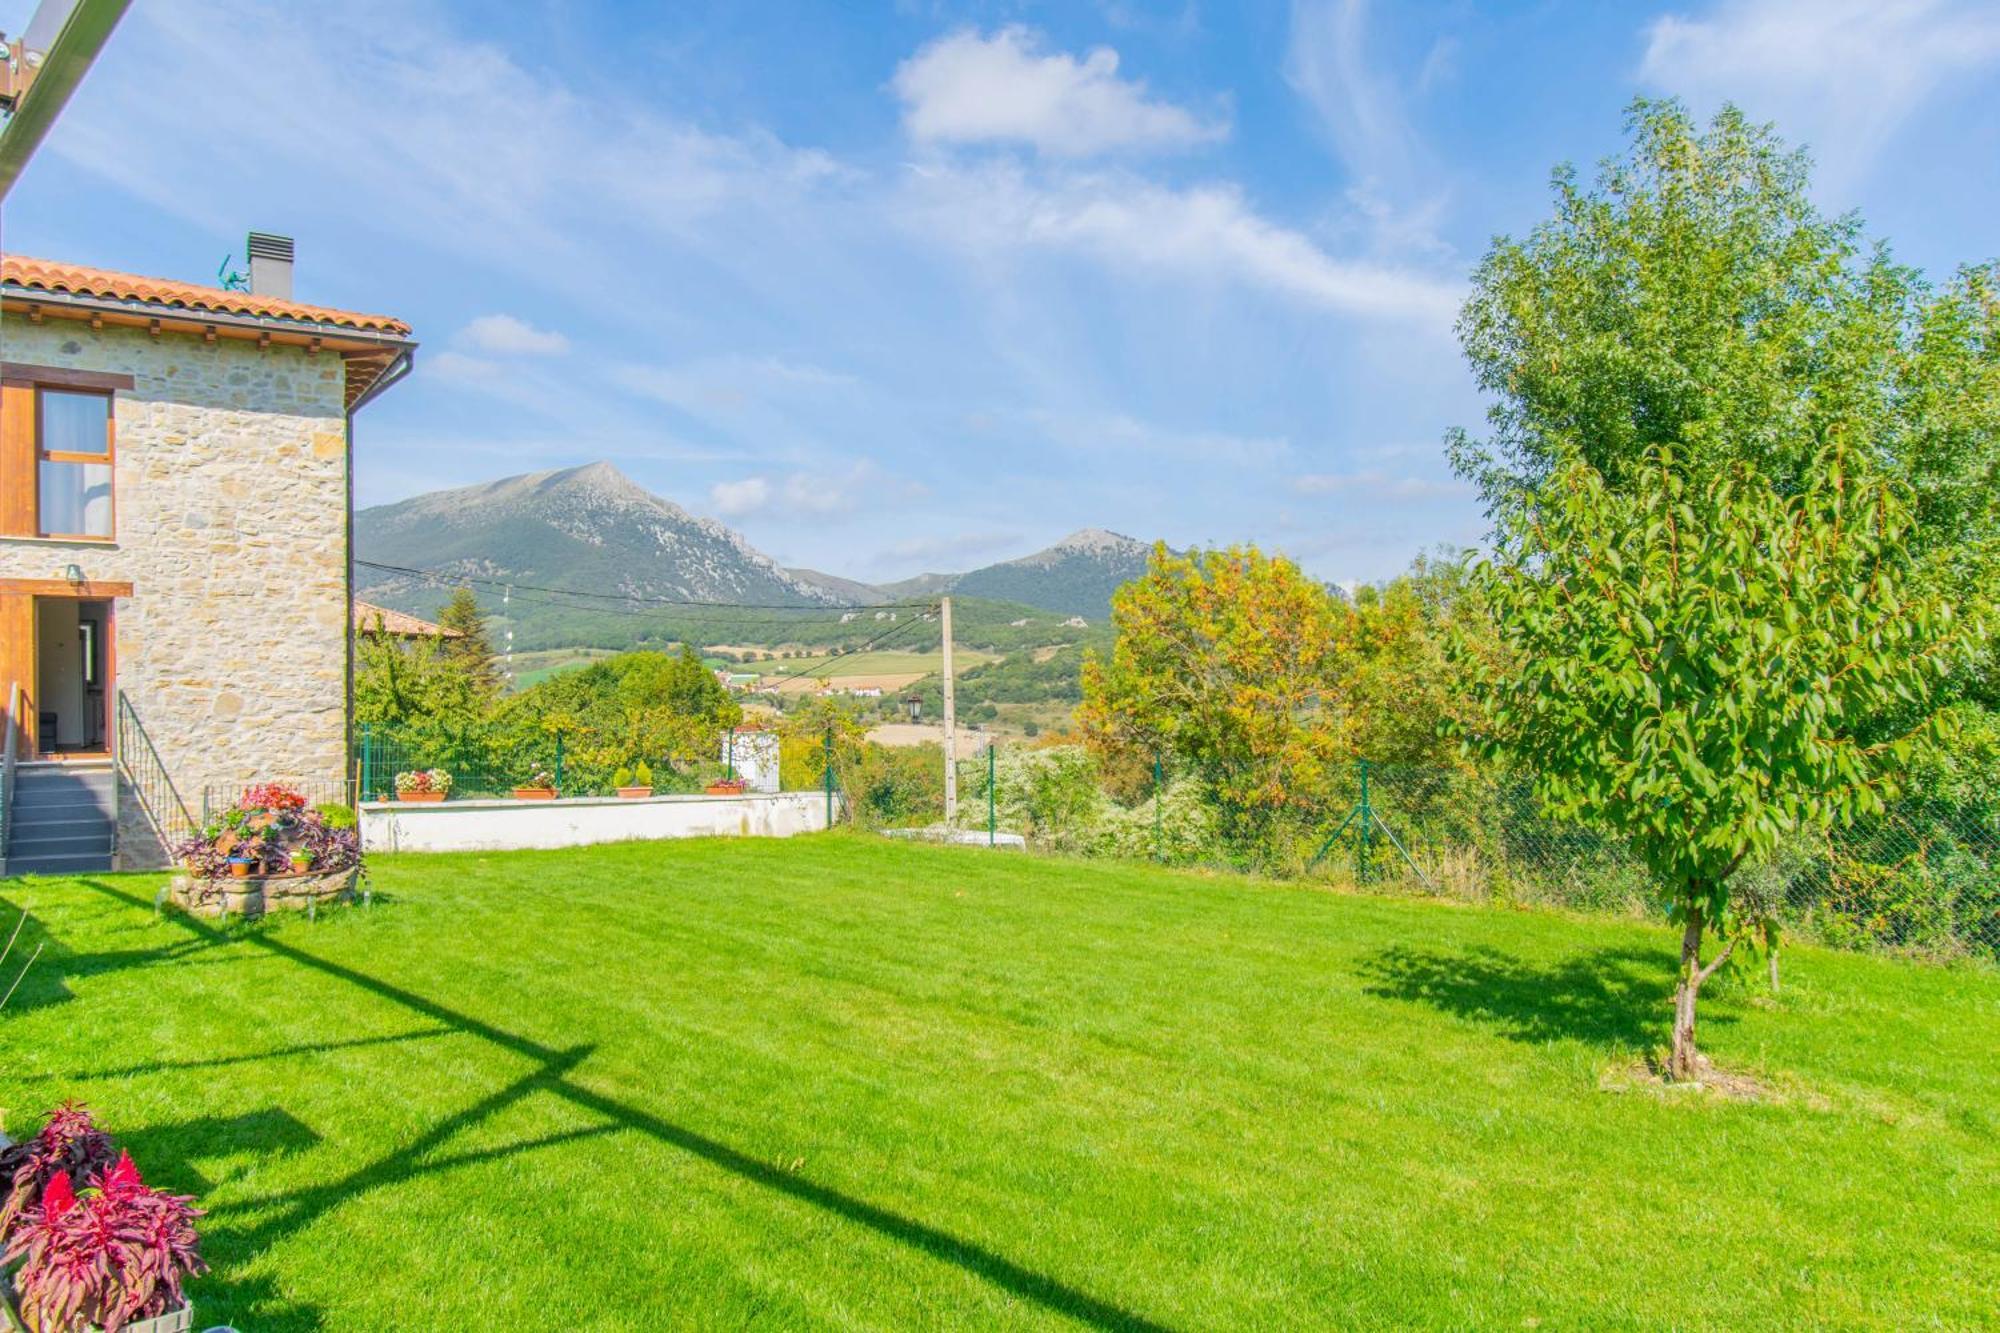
61	820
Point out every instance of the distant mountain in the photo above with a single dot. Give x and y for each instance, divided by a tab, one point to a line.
1076	576
592	528
587	527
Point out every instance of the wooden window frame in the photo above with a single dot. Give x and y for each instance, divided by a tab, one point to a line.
108	459
21	452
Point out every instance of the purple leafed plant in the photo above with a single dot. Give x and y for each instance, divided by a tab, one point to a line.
70	1145
104	1256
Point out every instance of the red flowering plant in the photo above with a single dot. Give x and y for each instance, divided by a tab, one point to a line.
103	1257
70	1148
275	796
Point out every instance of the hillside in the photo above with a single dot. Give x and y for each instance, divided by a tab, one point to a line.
593	529
587	527
1075	576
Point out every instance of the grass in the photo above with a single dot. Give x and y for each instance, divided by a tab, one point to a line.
836	1081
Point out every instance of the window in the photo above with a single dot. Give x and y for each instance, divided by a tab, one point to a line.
73	468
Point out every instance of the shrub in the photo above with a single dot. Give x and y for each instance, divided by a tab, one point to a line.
70	1145
336	816
104	1256
642	774
621	777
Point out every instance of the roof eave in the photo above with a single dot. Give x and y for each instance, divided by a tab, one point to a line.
326	331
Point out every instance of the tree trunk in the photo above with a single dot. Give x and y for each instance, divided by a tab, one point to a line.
1682	1064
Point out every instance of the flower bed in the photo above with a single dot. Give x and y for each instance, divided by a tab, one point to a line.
270	836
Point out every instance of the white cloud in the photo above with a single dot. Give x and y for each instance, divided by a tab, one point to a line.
733	499
1205	231
947	551
505	335
970	88
811	495
1844	75
1374	482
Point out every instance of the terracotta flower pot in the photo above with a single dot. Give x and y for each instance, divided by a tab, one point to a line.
534	793
239	870
726	788
420	797
635	793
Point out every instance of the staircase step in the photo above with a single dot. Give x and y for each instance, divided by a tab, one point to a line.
58	865
23	843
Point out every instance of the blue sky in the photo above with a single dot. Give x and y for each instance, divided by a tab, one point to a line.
922	285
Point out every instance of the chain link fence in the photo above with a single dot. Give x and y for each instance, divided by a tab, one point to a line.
1922	878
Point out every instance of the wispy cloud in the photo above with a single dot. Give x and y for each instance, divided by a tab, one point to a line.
970	88
1206	232
1844	75
861	485
507	335
1395	183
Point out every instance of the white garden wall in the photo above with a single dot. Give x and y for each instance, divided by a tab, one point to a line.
494	826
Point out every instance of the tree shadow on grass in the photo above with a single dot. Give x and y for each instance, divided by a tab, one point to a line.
247	1229
1619	998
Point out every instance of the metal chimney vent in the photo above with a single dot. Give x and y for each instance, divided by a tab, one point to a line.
270	265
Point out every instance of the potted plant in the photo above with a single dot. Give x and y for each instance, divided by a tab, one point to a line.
112	1255
727	787
302	860
635	783
425	786
540	786
240	864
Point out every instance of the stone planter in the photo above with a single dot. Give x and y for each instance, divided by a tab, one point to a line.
255	895
420	797
635	793
534	793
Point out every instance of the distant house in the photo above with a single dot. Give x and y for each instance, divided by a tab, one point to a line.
866	691
371	619
174	565
1076	622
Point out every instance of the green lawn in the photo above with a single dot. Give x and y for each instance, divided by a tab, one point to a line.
843	1082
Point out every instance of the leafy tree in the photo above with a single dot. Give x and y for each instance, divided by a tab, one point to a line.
1226	660
471	649
1696	298
414	691
1695	658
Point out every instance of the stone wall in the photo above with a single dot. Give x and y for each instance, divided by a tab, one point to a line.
231	525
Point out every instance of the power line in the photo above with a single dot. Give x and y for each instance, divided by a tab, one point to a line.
669	617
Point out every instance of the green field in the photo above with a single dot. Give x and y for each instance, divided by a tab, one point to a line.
842	1082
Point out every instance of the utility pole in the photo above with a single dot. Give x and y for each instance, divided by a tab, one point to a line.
950	725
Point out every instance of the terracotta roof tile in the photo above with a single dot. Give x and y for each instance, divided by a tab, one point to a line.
77	280
398	623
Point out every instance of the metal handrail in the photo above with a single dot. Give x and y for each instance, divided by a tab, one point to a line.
7	757
146	773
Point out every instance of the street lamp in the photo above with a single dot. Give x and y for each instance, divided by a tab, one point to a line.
915	704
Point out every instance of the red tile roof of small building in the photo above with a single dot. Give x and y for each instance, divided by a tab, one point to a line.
367	616
77	280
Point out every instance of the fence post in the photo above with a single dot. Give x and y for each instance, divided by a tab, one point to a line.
367	763
1157	854
1367	819
991	825
826	776
559	763
729	755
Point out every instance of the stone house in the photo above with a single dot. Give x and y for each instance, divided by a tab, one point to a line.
175	499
